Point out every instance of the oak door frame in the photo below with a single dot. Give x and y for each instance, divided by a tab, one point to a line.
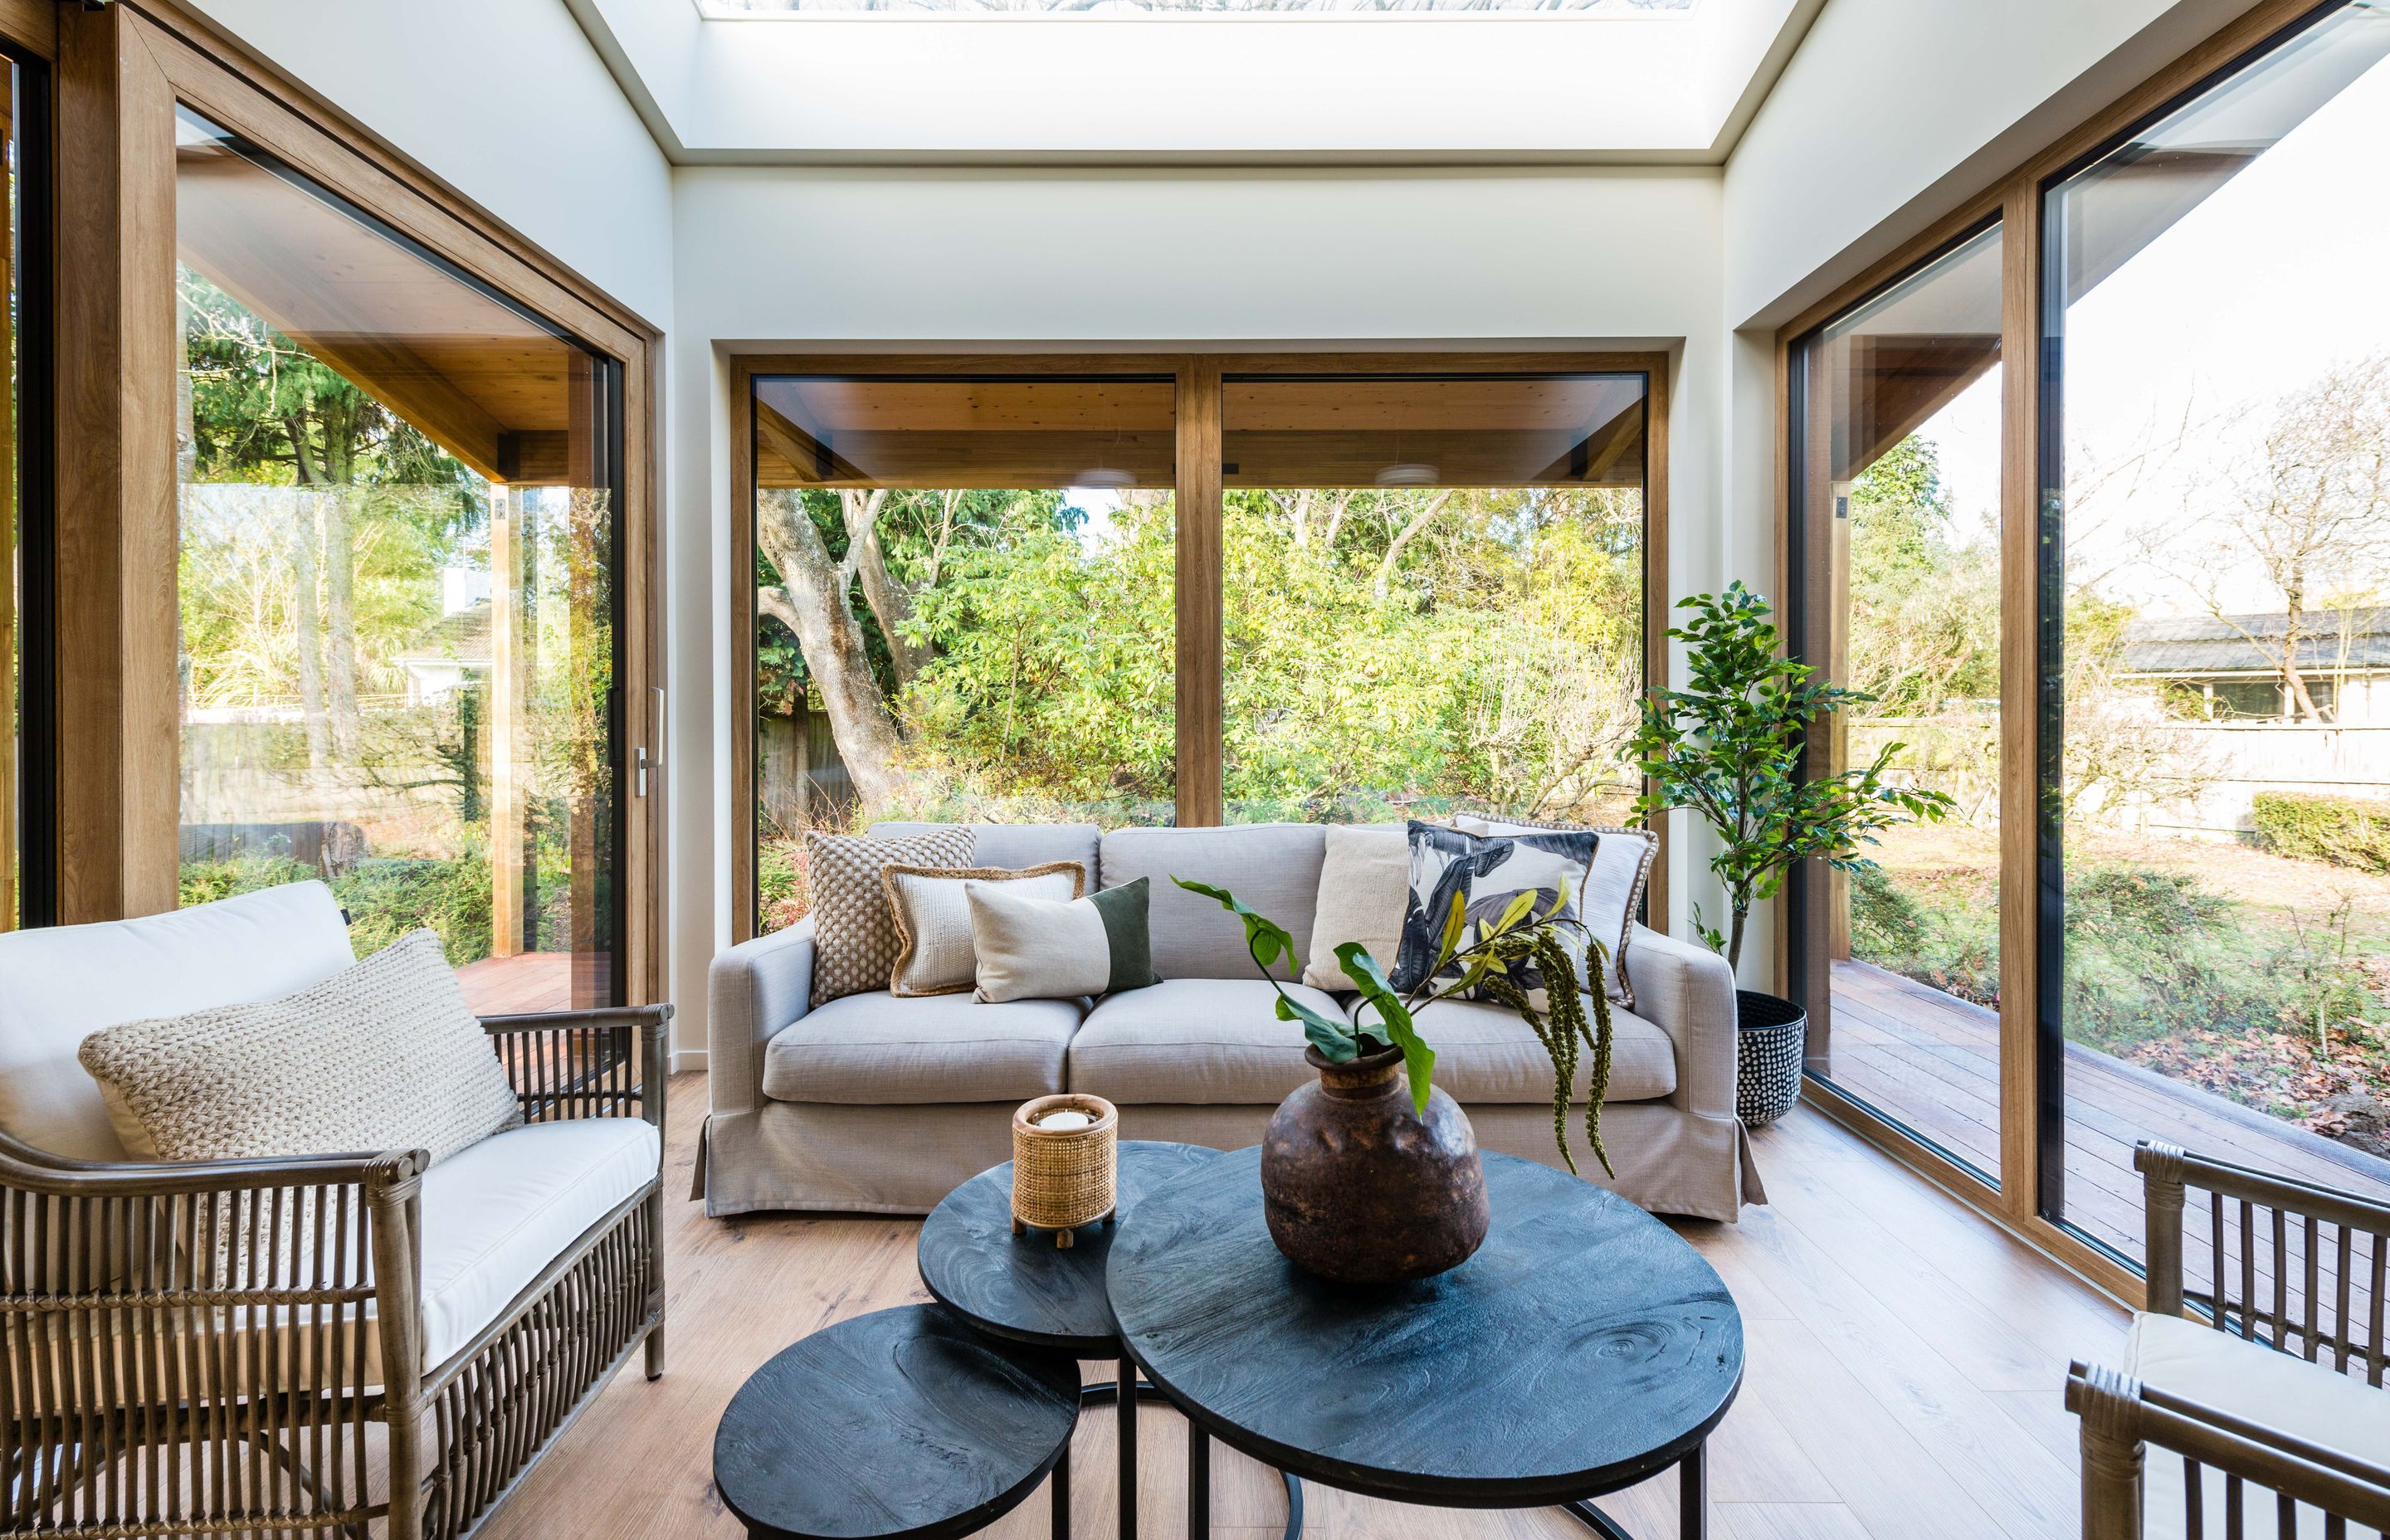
123	68
2014	197
1197	661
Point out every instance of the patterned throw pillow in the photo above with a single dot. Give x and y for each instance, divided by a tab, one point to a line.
855	930
1614	887
934	922
1487	872
384	1054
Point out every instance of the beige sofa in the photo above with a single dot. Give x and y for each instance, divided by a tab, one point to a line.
874	1104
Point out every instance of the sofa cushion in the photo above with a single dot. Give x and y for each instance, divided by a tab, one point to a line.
1273	867
1485	1053
382	1055
1364	889
1485	875
60	984
497	1213
1190	1042
934	922
1613	888
2254	1382
878	1050
854	929
1015	845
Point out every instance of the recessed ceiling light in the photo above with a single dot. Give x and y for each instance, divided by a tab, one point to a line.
1408	475
1105	479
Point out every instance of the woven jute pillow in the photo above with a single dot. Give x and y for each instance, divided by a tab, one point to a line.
854	929
383	1056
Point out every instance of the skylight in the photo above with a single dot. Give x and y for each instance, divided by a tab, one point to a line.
762	9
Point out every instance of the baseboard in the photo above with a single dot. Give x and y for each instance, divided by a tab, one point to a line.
686	1059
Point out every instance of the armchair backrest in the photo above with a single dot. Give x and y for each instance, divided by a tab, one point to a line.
58	986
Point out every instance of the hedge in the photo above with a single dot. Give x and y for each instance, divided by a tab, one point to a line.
2345	831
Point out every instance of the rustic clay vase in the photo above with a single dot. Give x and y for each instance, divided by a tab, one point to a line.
1359	1189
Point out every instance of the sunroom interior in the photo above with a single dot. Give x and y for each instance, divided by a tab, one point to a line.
573	477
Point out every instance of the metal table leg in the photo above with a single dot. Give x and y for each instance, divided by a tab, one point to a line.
1126	1397
1103	1390
1199	1482
1692	1502
1062	1494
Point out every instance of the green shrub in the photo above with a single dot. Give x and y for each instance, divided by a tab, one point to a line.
1955	950
2345	831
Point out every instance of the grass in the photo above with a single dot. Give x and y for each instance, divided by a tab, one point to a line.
2258	977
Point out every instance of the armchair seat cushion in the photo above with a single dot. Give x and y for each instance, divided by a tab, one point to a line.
1194	1042
879	1050
497	1213
1485	1053
2253	1381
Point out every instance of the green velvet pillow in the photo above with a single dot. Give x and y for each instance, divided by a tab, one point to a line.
1127	934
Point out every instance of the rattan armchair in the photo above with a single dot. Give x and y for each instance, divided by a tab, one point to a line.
2245	1407
200	1349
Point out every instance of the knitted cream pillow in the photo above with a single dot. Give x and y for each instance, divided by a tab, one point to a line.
855	927
383	1056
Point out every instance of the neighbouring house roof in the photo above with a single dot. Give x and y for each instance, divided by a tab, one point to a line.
2252	643
462	638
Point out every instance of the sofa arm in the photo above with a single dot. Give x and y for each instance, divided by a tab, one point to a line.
607	1063
753	991
1687	991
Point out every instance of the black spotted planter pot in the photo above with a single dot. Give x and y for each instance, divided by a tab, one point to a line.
1771	1037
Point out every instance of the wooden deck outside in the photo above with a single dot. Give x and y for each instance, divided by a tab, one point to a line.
534	981
1932	1062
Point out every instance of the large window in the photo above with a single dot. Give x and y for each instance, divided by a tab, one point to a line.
2091	502
1434	596
1898	437
1192	589
2216	742
398	587
963	607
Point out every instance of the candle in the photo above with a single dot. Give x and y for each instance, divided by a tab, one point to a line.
1064	1121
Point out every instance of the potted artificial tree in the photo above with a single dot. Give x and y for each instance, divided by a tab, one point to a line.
1729	747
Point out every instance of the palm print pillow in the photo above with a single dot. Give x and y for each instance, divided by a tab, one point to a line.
1488	871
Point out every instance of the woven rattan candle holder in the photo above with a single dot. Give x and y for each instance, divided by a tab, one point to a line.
1064	1177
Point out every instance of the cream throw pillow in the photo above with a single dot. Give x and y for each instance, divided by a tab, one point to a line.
934	922
381	1056
1364	887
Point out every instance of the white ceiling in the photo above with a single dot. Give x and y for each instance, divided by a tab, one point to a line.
1608	86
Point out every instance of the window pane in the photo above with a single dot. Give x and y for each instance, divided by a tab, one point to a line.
1434	596
964	608
1898	489
397	588
2218	544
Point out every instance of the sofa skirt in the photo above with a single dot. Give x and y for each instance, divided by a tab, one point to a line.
817	1157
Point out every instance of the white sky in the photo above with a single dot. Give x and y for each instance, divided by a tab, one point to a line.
2281	274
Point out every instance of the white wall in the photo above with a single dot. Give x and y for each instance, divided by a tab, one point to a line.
1893	112
508	102
785	256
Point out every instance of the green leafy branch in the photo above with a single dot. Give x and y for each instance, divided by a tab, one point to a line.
1729	747
1487	957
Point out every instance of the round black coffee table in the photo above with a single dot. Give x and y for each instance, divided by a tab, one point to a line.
1585	1348
905	1424
1025	1288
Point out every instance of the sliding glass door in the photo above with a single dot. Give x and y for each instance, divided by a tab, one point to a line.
399	586
2091	501
1896	441
2215	769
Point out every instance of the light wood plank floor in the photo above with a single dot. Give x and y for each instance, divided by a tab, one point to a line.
1904	1366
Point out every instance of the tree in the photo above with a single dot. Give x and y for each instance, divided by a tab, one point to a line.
812	603
2310	507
